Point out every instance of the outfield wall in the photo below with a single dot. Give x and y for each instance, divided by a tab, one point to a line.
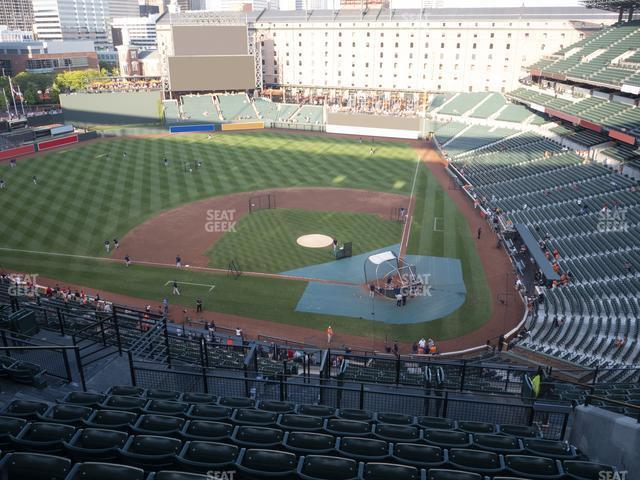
112	108
374	125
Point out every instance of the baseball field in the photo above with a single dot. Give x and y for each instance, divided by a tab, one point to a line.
59	208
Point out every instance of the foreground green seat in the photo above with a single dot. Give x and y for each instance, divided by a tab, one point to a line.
503	444
535	468
418	455
66	414
353	414
445	474
105	471
477	461
166	407
300	423
171	475
519	431
158	425
151	452
447	438
5	363
309	443
206	431
34	466
323	411
578	470
476	427
320	467
257	437
394	418
263	463
10	427
25	409
126	390
96	444
44	437
349	428
396	433
195	397
124	403
386	471
209	412
27	373
437	423
84	399
205	456
549	448
157	394
236	402
249	416
363	449
277	407
112	420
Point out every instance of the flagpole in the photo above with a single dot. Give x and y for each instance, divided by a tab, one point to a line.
15	107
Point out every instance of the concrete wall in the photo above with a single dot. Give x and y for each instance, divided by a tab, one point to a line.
117	108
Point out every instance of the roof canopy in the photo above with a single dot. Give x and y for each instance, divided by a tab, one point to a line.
382	257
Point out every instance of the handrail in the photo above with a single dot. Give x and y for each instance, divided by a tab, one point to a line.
42	347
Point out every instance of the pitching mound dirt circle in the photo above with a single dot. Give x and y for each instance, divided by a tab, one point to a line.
314	240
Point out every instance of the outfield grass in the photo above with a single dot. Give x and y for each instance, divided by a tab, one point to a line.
265	241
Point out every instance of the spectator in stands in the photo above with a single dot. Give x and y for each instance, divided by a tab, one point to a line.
422	345
627	266
414	348
329	334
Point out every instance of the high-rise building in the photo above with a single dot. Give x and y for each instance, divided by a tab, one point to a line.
135	31
7	35
16	14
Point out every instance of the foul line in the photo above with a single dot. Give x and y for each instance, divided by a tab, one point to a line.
406	231
171	265
190	283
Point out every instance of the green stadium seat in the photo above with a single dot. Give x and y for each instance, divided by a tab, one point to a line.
519	431
44	437
96	443
394	418
363	449
320	467
158	425
124	403
418	455
5	363
27	373
535	468
437	423
156	394
66	414
257	437
386	471
396	433
205	456
151	452
105	471
579	470
111	419
85	399
353	414
249	416
10	427
302	423
549	448
307	443
206	431
316	410
445	474
126	391
194	397
503	444
277	407
260	463
351	428
34	466
171	475
25	409
166	407
236	402
209	412
476	427
477	461
447	438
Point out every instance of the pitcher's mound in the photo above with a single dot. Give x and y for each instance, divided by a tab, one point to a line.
315	240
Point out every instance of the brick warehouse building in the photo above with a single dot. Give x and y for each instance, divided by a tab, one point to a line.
46	56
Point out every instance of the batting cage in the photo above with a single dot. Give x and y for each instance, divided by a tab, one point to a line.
262	202
390	275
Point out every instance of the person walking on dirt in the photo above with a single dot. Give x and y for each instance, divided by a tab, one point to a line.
198	305
479	232
178	261
329	334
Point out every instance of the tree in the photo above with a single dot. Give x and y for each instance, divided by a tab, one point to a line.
31	94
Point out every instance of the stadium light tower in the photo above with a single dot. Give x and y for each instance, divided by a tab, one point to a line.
615	5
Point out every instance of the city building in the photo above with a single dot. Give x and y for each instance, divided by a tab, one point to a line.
16	14
7	35
135	31
41	56
135	62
